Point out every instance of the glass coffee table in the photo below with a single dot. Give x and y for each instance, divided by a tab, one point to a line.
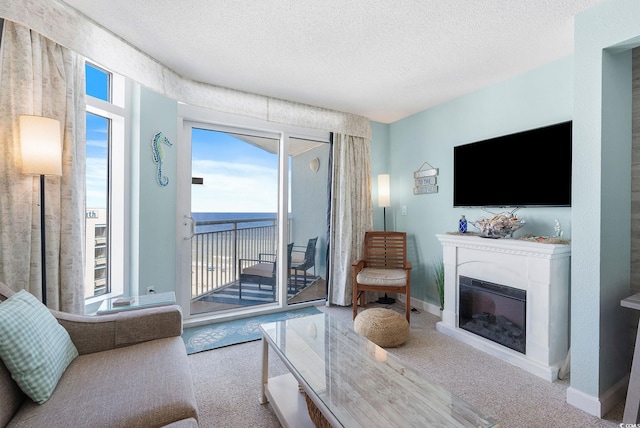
352	381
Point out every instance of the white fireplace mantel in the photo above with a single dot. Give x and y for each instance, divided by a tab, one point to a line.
542	270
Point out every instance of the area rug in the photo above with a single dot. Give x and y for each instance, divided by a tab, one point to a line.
252	294
212	336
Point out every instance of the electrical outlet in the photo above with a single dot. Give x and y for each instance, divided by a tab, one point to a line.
403	210
151	289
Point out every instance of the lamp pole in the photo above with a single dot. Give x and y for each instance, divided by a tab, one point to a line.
43	245
384	201
384	217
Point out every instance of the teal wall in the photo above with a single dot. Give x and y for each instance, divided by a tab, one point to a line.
153	249
592	88
537	98
380	164
600	268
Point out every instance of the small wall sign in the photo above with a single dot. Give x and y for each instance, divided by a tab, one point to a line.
425	180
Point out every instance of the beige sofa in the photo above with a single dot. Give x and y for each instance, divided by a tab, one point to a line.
132	371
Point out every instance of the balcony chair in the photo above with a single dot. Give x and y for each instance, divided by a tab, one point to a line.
302	261
261	271
384	268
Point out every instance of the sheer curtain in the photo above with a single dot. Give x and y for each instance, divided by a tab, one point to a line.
352	212
42	78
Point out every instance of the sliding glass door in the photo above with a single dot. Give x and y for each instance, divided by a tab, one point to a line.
253	223
308	196
234	207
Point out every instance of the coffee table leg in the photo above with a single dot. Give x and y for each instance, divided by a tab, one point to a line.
265	370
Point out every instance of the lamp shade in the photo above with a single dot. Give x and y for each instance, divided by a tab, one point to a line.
384	194
41	145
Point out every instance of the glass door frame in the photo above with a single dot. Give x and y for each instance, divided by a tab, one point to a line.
188	116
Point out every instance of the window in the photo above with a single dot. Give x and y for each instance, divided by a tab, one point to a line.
98	82
96	205
105	169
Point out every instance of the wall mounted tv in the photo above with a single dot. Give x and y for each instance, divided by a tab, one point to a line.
527	169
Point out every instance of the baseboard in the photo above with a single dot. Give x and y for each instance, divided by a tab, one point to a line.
421	304
598	406
614	395
584	402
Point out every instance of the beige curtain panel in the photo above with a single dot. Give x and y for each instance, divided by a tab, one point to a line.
351	214
41	78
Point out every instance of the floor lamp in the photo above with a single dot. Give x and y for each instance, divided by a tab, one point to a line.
41	149
384	201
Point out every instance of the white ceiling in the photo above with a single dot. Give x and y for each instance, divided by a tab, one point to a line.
383	59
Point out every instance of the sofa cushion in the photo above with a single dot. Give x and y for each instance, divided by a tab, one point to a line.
34	347
12	396
143	385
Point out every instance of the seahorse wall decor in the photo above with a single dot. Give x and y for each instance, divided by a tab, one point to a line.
158	155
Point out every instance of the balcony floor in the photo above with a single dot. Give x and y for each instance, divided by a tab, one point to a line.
315	291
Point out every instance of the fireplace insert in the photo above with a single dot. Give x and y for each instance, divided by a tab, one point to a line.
493	311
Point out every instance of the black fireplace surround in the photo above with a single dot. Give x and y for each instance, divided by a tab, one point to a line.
493	311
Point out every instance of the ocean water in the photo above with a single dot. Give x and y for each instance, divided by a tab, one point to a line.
224	221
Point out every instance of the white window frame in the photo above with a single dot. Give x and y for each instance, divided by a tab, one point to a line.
118	112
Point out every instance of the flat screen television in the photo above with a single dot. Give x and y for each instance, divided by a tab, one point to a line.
526	169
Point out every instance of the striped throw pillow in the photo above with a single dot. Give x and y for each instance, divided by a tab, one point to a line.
33	346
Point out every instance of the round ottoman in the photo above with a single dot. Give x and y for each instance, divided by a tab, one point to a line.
384	327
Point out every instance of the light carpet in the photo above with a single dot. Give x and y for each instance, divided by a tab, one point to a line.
227	381
212	336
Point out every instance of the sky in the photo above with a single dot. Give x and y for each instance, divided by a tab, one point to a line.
97	136
238	177
97	152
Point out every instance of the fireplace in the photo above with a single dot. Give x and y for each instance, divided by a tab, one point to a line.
514	290
493	311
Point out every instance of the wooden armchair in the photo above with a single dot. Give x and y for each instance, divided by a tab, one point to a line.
384	268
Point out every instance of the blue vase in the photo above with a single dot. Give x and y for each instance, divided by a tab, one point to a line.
462	225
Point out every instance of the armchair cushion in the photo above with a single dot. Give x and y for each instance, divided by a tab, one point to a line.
34	347
388	277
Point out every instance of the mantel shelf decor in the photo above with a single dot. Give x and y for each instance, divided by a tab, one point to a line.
425	180
500	225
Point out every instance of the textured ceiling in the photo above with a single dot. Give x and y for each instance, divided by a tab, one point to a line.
381	59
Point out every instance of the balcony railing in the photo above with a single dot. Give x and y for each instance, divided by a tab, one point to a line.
215	252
